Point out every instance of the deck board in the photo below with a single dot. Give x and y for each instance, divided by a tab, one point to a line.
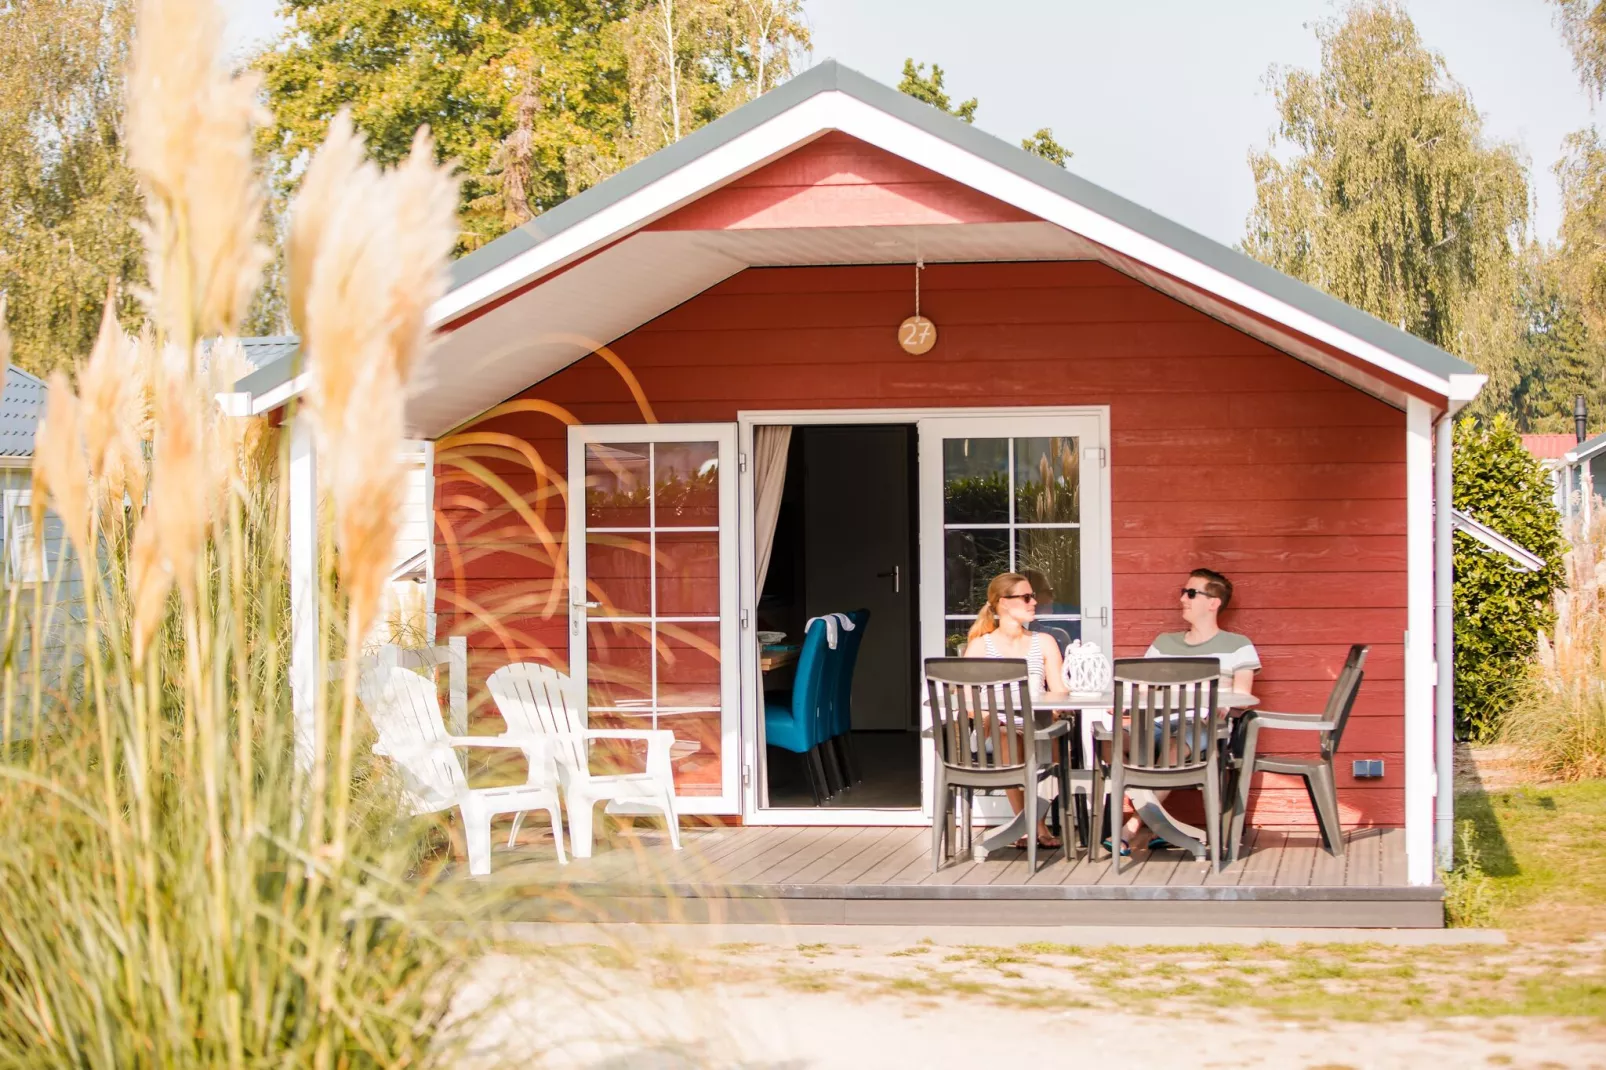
857	842
837	875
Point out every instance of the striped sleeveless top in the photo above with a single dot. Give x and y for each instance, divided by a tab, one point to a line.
1034	658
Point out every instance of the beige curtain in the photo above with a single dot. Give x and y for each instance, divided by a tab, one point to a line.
770	444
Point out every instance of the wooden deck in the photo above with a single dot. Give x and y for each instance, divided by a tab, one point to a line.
883	876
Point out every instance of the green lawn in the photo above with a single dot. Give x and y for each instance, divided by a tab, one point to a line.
1544	852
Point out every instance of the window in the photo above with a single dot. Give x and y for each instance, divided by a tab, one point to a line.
23	563
1012	505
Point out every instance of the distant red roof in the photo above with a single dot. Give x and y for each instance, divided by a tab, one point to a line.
1549	447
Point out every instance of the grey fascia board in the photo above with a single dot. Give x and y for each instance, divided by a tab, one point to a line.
270	376
831	76
1585	450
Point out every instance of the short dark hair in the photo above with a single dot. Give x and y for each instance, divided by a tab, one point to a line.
1216	585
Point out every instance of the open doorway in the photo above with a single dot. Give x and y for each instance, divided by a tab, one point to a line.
845	540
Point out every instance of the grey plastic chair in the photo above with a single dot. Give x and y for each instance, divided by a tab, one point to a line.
1173	740
986	738
1317	773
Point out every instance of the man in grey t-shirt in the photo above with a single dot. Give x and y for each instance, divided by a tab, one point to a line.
1201	600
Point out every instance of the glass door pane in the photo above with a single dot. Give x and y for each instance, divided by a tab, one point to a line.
653	618
1010	504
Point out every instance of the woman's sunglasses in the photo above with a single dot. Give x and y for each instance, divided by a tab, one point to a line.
1022	597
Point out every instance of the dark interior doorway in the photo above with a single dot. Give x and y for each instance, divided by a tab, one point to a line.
847	539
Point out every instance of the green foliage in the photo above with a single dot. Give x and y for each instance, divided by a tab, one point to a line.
68	202
536	101
929	88
1043	144
1380	188
1470	897
1499	612
1583	24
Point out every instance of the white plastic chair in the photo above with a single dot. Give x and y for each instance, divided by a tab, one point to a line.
538	700
407	715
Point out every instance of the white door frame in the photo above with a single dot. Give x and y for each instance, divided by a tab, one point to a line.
753	768
728	801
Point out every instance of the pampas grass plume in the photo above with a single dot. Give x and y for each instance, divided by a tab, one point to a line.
60	468
116	414
190	130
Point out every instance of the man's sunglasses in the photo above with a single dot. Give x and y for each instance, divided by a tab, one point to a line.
1022	597
1194	592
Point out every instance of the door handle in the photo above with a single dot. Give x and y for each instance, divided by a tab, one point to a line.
896	576
586	605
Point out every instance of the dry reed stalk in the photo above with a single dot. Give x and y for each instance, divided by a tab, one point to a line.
1557	723
190	141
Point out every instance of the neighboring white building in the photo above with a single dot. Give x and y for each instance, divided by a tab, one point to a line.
55	577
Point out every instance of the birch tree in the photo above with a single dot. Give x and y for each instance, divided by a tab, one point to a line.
1380	187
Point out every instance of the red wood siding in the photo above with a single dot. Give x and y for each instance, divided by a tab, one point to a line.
1225	454
839	181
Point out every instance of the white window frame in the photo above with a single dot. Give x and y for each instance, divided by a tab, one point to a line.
23	563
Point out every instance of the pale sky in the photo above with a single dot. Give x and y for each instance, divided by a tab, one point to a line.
1161	100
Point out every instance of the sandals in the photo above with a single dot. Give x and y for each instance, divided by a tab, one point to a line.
1046	845
1126	848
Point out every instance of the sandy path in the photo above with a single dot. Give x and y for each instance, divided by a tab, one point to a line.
614	1019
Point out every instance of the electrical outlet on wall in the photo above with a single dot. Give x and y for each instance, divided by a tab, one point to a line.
1368	768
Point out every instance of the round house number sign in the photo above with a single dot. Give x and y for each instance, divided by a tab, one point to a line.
917	335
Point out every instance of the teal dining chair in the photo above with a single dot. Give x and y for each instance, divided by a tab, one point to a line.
796	724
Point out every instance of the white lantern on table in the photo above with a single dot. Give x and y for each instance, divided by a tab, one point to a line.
1085	668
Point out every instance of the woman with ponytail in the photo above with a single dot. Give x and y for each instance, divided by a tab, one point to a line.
1001	631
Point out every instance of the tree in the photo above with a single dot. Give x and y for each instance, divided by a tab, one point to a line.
68	202
930	89
1499	612
1380	188
1583	25
535	100
1043	144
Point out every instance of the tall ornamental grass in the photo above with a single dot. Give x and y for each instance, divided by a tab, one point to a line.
187	878
1557	722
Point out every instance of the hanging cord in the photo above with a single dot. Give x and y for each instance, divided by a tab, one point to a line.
920	265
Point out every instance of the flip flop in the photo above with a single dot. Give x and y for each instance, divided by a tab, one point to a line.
1159	844
1126	849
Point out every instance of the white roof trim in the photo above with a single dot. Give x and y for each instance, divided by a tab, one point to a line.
836	110
1521	558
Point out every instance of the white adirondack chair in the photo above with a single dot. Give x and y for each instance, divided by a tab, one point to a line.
407	715
539	700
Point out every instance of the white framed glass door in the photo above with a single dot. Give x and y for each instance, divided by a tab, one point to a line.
1026	494
653	593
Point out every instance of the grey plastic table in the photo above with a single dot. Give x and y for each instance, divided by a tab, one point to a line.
1153	814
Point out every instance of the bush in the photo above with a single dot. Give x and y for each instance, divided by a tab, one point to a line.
1499	611
1558	721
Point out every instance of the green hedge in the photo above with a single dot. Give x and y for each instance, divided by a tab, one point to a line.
1499	612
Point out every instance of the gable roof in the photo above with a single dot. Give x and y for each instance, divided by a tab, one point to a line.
20	411
577	236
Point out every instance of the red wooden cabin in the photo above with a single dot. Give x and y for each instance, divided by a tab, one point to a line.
1192	408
